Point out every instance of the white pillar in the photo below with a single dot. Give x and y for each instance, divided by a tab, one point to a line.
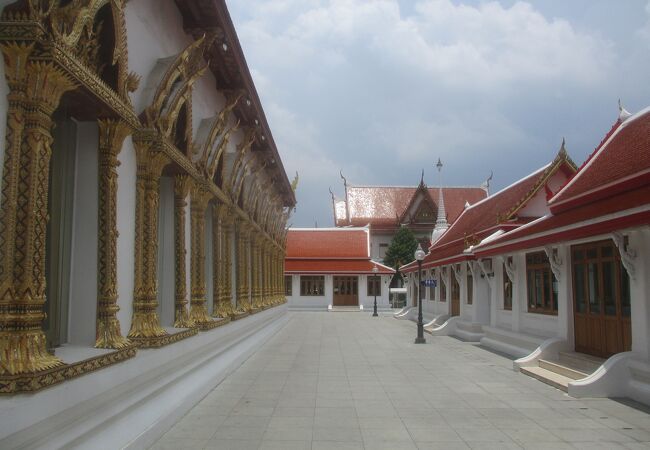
519	296
639	242
565	296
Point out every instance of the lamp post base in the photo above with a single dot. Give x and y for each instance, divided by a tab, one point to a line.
420	340
375	314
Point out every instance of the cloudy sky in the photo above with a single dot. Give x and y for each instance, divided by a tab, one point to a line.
382	88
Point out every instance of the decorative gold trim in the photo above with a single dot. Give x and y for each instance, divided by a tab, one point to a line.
35	91
41	380
145	323
198	310
181	314
111	136
165	339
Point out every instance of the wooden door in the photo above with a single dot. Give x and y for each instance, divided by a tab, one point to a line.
455	296
601	300
346	291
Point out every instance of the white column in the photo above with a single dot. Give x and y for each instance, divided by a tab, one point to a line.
565	296
519	297
497	292
639	242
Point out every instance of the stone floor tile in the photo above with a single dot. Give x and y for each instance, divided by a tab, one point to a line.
239	433
285	445
333	445
385	434
339	381
336	434
233	444
288	434
179	444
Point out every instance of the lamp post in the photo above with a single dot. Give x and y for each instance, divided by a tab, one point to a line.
419	256
374	274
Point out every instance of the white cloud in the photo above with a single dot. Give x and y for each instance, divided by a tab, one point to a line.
456	42
644	32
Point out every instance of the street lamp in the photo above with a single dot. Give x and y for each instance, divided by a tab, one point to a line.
419	256
374	273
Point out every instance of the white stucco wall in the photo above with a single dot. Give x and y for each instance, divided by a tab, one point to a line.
126	175
82	311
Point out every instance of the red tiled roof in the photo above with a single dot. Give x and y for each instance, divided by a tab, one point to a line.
334	266
497	212
622	210
327	243
621	162
383	205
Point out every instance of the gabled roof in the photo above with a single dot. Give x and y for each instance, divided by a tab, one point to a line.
330	251
622	160
334	266
497	212
611	191
385	206
328	243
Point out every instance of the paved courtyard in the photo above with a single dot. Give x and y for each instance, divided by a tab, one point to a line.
350	381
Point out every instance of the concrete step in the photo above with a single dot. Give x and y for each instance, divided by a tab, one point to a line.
546	376
580	362
344	309
560	369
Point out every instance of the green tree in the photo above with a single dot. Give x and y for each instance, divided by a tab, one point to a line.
401	248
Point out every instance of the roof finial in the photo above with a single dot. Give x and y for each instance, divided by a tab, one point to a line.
345	182
441	220
422	178
623	114
562	151
486	184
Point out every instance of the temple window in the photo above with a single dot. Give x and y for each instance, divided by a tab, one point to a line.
541	284
312	285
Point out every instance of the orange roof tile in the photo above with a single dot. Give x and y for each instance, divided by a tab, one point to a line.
622	160
327	243
383	205
334	266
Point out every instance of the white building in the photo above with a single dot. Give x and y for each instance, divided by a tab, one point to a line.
566	291
331	267
143	206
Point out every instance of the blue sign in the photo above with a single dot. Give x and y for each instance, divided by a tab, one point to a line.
429	283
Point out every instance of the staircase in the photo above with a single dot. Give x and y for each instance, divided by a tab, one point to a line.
345	309
568	367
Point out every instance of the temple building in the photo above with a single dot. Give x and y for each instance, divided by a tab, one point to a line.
143	206
554	270
384	209
329	268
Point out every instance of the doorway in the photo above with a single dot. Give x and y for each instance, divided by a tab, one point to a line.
601	300
346	291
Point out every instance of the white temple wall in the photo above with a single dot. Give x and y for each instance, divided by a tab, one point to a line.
166	257
482	298
639	242
154	31
126	192
82	310
538	205
376	240
368	300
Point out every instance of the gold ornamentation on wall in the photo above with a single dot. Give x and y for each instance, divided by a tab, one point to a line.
145	324
35	89
111	136
181	314
243	293
226	227
199	203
